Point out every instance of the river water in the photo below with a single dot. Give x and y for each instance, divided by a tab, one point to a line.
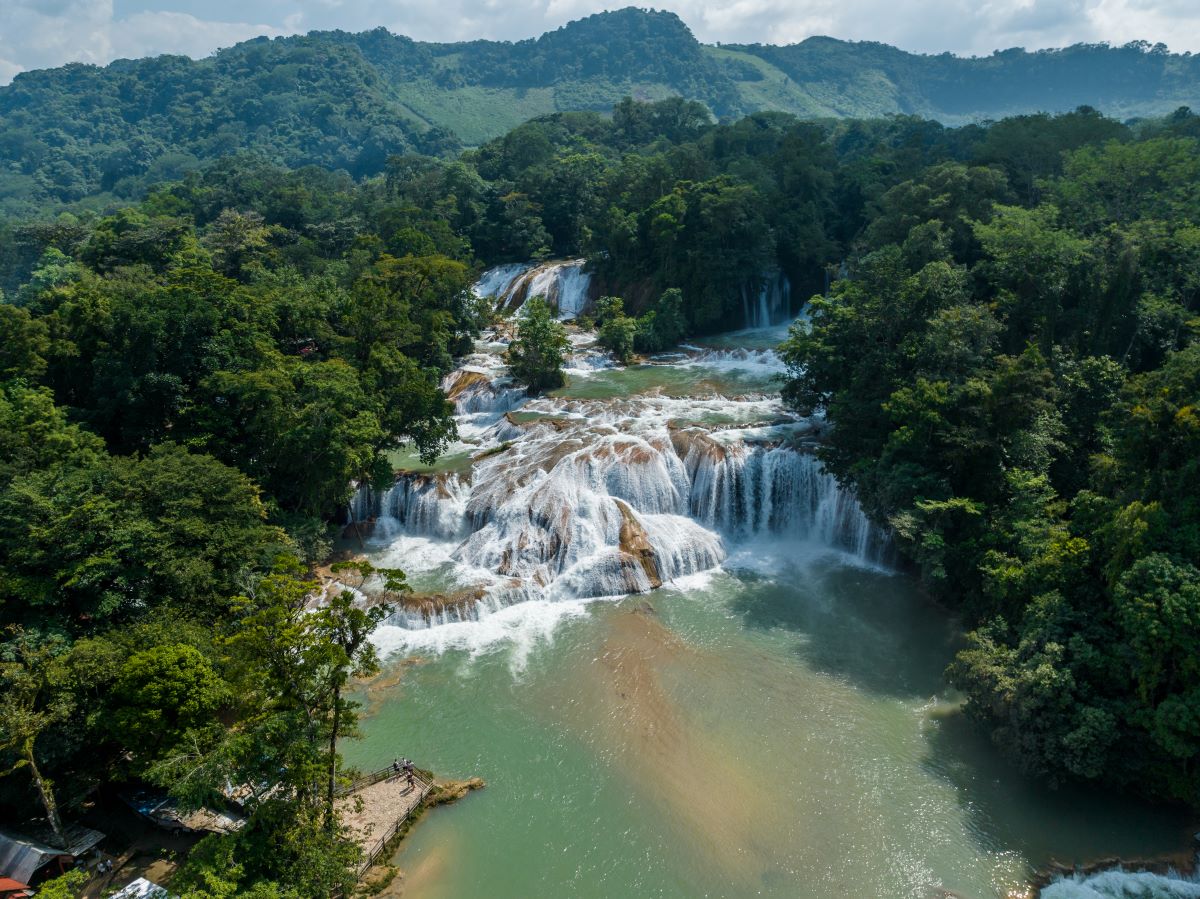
771	721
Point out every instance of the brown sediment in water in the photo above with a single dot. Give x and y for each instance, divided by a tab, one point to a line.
382	687
430	869
669	760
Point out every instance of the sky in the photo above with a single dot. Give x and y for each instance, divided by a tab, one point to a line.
41	33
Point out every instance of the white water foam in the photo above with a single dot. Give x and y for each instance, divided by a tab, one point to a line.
519	628
1120	884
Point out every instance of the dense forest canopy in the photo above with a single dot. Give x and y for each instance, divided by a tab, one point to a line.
190	385
348	101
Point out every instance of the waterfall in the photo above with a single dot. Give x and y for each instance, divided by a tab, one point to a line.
428	504
498	281
476	391
749	490
564	285
767	301
575	508
612	493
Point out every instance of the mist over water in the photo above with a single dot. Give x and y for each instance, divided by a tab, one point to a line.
685	667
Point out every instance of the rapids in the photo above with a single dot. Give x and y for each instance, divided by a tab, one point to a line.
756	706
572	498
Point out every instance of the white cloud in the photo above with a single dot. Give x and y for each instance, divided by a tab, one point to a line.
38	33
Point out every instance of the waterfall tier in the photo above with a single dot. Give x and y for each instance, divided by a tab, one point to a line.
563	284
768	302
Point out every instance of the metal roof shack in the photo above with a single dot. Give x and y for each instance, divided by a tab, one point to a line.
22	857
161	809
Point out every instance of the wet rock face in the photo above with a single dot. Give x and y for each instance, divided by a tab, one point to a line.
635	543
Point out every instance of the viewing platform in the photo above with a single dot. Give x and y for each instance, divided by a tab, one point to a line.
376	806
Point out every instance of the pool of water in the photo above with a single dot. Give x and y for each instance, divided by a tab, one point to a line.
781	729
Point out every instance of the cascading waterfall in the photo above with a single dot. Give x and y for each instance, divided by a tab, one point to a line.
496	282
1119	884
768	301
564	285
427	504
748	490
621	493
574	508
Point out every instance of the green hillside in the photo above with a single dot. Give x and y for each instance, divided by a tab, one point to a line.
92	135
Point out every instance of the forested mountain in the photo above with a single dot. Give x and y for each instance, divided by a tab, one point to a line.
348	101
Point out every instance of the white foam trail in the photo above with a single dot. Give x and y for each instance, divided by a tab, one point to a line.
758	362
519	627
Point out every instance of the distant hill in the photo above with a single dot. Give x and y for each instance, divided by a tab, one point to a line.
342	100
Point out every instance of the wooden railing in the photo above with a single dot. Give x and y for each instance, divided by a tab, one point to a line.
372	854
367	779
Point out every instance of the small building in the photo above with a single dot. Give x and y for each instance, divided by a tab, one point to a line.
12	889
27	860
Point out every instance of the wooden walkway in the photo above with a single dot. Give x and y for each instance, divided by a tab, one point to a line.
376	806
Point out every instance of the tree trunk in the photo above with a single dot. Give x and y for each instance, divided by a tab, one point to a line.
333	735
48	803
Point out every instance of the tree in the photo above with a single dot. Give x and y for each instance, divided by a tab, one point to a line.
238	240
28	707
162	695
537	356
617	330
664	326
345	629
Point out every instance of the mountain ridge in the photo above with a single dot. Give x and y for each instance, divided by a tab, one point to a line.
347	100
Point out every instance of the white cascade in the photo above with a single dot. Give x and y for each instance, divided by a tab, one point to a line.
496	282
478	391
588	497
426	504
562	283
768	301
1120	884
750	490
